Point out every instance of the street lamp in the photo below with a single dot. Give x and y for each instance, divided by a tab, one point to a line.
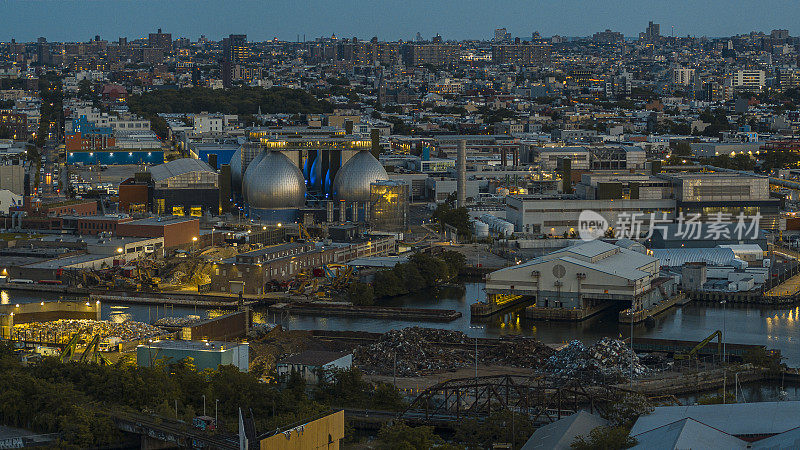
194	243
216	413
204	404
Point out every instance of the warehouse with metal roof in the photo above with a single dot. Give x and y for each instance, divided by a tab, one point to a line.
677	257
185	186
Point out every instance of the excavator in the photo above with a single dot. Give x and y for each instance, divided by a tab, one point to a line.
693	352
146	276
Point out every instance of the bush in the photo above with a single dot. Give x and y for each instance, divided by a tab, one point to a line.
360	294
606	438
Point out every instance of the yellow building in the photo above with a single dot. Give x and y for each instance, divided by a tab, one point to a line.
322	433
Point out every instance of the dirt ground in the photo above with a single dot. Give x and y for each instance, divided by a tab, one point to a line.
478	254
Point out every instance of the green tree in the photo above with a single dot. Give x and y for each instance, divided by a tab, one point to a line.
500	426
85	91
433	270
400	436
605	438
455	217
681	148
387	284
360	293
455	260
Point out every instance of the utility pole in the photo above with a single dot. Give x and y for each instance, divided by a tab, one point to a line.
632	352
204	404
476	360
724	333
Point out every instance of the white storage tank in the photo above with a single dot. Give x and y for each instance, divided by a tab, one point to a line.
480	229
767	262
733	287
498	225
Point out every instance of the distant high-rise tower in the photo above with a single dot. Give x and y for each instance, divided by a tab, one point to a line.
234	52
501	35
461	174
653	31
160	40
43	51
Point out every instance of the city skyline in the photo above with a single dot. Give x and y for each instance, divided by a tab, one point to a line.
59	21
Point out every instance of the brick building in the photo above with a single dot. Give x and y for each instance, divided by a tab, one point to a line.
257	269
176	230
13	126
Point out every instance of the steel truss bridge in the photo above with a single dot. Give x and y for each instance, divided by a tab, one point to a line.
543	398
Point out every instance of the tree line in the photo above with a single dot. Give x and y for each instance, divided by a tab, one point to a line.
422	271
77	400
239	100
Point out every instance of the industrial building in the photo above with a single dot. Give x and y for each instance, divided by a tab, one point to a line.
205	355
706	235
585	277
388	206
732	193
756	425
311	364
607	157
321	432
556	215
181	187
276	182
176	230
185	187
258	271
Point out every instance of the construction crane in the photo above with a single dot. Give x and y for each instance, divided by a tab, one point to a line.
693	352
302	232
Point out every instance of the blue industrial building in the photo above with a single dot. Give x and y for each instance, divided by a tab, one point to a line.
205	355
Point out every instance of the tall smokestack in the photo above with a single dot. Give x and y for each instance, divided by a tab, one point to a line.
461	180
375	137
329	210
566	176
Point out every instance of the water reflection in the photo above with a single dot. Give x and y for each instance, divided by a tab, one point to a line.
774	327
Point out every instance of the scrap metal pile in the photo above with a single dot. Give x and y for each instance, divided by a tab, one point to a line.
421	351
62	330
607	361
171	321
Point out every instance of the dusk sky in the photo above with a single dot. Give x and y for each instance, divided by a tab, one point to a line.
80	20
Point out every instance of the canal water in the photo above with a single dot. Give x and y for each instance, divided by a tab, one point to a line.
776	328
